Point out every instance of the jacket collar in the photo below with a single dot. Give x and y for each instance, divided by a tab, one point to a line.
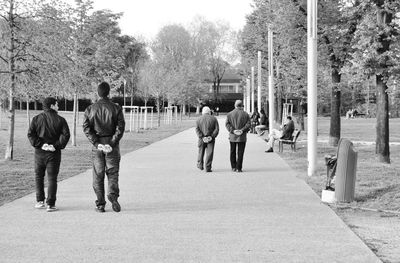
49	111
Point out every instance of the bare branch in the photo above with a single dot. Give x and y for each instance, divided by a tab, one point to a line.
4	59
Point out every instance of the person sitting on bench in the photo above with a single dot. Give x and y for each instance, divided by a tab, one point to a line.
284	133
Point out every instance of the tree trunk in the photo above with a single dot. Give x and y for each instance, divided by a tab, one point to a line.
334	132
11	126
368	92
382	121
279	105
158	112
74	120
65	104
10	147
1	114
35	105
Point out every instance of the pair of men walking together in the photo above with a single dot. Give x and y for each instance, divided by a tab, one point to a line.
207	129
103	125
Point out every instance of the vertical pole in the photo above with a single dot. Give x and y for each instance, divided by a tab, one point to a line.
145	118
151	123
271	90
131	120
259	81
124	92
252	90
312	85
248	95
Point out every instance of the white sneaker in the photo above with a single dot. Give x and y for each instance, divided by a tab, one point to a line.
40	205
51	208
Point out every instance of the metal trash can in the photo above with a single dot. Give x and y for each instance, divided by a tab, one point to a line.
345	171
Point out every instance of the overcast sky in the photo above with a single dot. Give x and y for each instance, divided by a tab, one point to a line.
146	17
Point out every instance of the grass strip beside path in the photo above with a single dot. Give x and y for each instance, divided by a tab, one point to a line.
17	177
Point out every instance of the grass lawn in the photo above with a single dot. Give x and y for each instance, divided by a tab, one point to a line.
377	184
17	177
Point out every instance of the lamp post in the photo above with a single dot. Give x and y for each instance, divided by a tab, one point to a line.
248	95
259	82
252	90
271	95
312	86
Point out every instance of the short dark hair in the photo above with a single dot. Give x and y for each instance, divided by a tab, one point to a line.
47	102
103	89
289	117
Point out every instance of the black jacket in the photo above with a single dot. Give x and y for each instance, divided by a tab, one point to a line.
104	122
49	127
288	130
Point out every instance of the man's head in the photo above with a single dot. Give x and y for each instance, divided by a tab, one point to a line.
238	104
205	110
288	119
50	103
103	89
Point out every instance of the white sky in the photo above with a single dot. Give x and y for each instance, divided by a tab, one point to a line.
146	17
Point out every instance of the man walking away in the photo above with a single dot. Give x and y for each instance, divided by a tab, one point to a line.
284	133
48	134
104	126
207	130
237	124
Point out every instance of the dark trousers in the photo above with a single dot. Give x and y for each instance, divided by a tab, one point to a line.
106	164
208	150
50	162
237	158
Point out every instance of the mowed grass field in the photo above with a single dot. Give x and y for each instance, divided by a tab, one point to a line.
17	177
377	184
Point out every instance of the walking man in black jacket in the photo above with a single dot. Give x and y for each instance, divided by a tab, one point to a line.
48	133
104	126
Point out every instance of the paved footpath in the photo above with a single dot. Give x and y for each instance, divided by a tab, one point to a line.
173	212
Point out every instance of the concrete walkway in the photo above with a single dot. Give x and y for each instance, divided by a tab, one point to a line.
173	212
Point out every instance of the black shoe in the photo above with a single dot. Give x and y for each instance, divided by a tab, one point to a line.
266	139
270	150
239	170
208	171
114	204
234	170
200	167
100	209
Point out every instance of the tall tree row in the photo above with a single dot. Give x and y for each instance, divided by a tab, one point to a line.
51	48
356	40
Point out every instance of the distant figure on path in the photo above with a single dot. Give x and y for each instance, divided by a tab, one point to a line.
237	124
207	130
104	126
48	134
285	133
260	129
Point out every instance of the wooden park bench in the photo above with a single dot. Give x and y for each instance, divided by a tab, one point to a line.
292	142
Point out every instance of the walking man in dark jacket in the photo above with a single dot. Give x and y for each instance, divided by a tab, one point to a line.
104	126
237	124
207	130
48	134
